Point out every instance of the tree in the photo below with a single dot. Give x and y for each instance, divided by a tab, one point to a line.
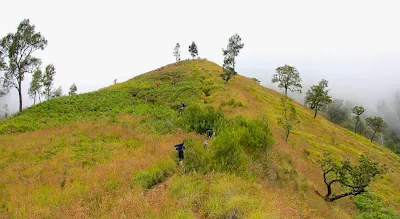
5	107
48	79
58	92
289	117
288	78
228	70
18	47
177	53
336	111
193	50
397	104
317	96
354	178
36	85
377	124
357	110
234	46
2	68
72	89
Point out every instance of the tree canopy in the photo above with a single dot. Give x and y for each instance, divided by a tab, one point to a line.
72	89
36	85
288	78
357	110
193	50
377	125
232	50
337	111
48	79
288	116
354	178
58	92
19	47
177	52
317	96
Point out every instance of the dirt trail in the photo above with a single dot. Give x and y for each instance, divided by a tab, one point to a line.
156	195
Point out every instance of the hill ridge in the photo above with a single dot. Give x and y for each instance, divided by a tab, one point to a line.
109	145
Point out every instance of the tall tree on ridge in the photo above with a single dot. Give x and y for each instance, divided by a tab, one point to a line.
18	47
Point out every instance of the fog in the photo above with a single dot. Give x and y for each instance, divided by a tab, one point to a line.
352	44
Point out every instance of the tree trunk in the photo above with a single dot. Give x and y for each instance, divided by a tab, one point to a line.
34	100
287	135
328	187
372	138
20	96
315	114
353	192
355	127
286	91
39	97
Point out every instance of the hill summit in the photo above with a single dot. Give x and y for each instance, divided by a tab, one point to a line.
110	153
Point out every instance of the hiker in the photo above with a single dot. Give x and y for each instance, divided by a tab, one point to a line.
180	148
182	108
209	133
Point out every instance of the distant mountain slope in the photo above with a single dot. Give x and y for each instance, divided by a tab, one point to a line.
110	153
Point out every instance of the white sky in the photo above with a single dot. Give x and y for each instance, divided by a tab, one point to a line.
354	44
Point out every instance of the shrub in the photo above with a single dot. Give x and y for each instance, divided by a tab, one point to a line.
371	206
238	136
232	102
228	152
150	177
197	158
257	134
200	119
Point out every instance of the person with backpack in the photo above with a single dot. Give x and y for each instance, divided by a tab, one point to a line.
209	133
180	148
182	108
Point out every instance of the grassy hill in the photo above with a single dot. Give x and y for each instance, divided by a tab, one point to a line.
110	153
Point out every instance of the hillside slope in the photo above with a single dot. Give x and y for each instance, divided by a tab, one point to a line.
110	153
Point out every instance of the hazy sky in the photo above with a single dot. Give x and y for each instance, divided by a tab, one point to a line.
355	45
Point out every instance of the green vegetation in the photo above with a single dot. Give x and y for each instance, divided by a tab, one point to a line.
235	141
232	50
148	178
36	86
288	118
377	125
356	178
317	96
199	119
110	153
73	89
358	111
193	50
288	78
371	207
232	102
18	48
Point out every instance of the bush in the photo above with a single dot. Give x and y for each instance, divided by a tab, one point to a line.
228	152
197	158
371	207
232	102
238	136
148	178
257	134
200	119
